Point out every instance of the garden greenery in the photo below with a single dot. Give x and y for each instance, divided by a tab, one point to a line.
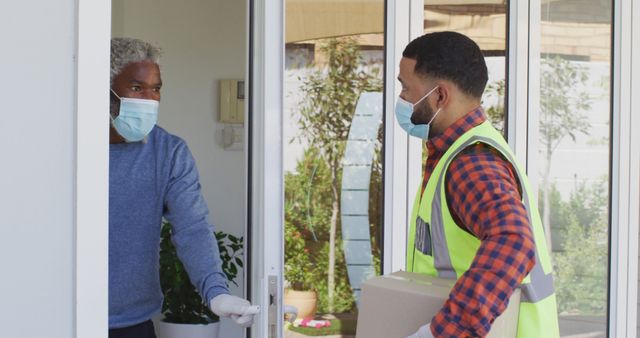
308	199
182	303
331	93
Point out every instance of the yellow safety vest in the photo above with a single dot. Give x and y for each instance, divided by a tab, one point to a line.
452	249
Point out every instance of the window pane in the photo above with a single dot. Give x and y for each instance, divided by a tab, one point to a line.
333	171
486	24
573	156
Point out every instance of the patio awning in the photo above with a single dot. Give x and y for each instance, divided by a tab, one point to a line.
317	19
482	20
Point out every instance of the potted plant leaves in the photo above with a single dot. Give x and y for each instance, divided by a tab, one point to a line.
184	314
298	274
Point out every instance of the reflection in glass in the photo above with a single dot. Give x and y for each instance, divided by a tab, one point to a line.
573	156
333	173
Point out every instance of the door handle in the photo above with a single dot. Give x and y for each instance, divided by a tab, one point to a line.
274	301
292	310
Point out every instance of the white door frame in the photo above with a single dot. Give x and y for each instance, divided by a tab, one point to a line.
401	155
625	171
518	72
93	32
267	180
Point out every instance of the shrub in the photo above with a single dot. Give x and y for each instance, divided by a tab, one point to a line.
182	303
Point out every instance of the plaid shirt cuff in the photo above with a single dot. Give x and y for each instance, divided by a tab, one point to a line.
443	328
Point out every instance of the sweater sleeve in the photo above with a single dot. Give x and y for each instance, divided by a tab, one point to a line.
484	199
192	235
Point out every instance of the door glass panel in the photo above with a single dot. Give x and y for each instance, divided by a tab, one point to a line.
332	159
573	156
485	22
203	68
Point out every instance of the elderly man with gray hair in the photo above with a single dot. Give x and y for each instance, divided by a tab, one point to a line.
152	175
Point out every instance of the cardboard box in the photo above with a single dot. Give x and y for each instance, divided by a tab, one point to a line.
396	305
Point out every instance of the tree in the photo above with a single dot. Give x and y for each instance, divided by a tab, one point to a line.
331	96
495	92
308	200
562	106
581	288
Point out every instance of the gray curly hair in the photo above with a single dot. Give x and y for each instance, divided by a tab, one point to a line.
127	50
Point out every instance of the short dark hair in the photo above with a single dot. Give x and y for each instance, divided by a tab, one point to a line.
450	56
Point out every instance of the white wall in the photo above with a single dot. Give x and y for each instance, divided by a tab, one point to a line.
202	41
37	168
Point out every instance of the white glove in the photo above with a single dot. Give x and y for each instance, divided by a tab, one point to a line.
423	332
236	308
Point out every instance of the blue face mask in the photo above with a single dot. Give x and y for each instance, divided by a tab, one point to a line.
404	111
136	118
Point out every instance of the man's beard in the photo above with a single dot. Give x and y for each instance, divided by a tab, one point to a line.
423	114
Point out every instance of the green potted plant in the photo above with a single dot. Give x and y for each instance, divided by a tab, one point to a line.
298	274
183	309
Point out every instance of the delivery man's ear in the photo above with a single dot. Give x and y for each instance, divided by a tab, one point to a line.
448	92
443	94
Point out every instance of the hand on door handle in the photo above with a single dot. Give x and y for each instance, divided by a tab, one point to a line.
236	308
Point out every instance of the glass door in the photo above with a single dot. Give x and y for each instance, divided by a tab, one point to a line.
332	146
569	154
316	161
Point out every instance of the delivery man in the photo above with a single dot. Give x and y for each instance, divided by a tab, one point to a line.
474	217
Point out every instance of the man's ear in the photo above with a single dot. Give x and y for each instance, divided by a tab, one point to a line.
442	95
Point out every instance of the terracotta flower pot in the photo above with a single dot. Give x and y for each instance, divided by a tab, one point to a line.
304	301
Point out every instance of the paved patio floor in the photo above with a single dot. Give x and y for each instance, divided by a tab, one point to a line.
570	327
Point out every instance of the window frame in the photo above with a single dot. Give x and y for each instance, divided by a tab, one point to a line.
625	172
401	170
93	36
